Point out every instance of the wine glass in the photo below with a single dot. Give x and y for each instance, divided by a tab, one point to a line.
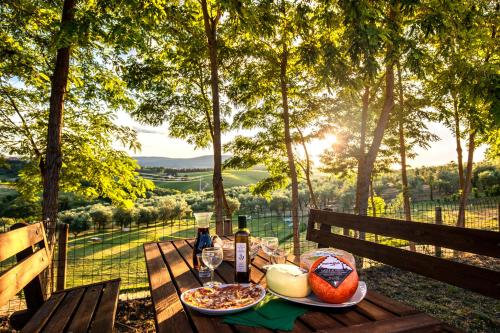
269	245
212	257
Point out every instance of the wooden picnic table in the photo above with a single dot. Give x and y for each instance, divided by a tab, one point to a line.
170	272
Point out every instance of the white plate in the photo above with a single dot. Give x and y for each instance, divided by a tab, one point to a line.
223	311
315	301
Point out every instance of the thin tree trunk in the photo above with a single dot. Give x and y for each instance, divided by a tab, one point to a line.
366	169
468	180
51	167
289	151
211	33
307	171
362	143
402	153
456	119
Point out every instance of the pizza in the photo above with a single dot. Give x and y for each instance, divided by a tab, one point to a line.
223	297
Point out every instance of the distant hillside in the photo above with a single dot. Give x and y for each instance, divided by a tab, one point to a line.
200	162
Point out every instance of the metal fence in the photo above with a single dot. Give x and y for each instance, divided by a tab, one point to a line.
113	251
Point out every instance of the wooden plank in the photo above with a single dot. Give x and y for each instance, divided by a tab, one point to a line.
477	279
83	315
184	280
42	316
14	279
33	290
319	320
389	304
414	323
349	317
372	311
18	239
463	239
104	319
169	313
63	314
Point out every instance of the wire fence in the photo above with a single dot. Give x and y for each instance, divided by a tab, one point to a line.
116	250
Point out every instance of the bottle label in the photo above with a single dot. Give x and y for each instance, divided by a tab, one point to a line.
241	257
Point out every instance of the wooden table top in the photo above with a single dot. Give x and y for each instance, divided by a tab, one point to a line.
170	272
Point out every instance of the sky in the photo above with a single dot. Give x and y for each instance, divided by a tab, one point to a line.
156	142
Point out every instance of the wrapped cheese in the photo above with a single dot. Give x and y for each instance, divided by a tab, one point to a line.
288	280
308	258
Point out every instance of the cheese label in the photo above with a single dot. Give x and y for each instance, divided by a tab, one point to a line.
241	257
333	271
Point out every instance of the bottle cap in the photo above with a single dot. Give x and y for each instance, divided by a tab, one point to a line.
242	221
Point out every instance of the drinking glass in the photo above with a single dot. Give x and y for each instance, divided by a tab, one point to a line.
269	245
212	257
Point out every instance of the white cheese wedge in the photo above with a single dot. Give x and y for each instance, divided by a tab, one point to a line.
288	280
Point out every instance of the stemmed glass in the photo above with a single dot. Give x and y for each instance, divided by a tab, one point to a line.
270	245
212	257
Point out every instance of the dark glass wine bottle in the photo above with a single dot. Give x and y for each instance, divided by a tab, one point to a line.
241	248
203	238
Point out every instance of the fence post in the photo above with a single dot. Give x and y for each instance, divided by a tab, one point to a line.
62	250
498	216
439	221
228	227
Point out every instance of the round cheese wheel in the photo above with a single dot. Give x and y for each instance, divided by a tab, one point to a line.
288	280
327	292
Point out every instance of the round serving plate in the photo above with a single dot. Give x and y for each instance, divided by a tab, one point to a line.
315	301
215	312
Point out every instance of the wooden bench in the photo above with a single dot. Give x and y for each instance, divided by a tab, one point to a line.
81	309
478	279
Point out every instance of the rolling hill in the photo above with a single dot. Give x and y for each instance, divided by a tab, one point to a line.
200	162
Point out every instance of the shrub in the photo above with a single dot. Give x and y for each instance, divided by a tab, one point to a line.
123	216
101	216
77	223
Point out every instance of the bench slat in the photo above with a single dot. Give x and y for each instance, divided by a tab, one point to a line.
104	319
169	314
15	241
477	279
63	314
14	279
83	316
463	239
41	317
414	323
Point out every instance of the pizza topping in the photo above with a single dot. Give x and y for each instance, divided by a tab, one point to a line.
225	297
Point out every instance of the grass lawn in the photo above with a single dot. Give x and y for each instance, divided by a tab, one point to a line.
119	253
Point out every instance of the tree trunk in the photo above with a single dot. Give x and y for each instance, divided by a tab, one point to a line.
402	154
307	171
456	119
51	167
366	169
289	151
211	33
468	180
362	144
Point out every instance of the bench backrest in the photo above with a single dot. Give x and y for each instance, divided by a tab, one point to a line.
481	280
29	244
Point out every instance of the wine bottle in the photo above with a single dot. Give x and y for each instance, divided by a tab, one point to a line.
241	248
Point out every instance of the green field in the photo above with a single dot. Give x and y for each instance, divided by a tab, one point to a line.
231	178
120	253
